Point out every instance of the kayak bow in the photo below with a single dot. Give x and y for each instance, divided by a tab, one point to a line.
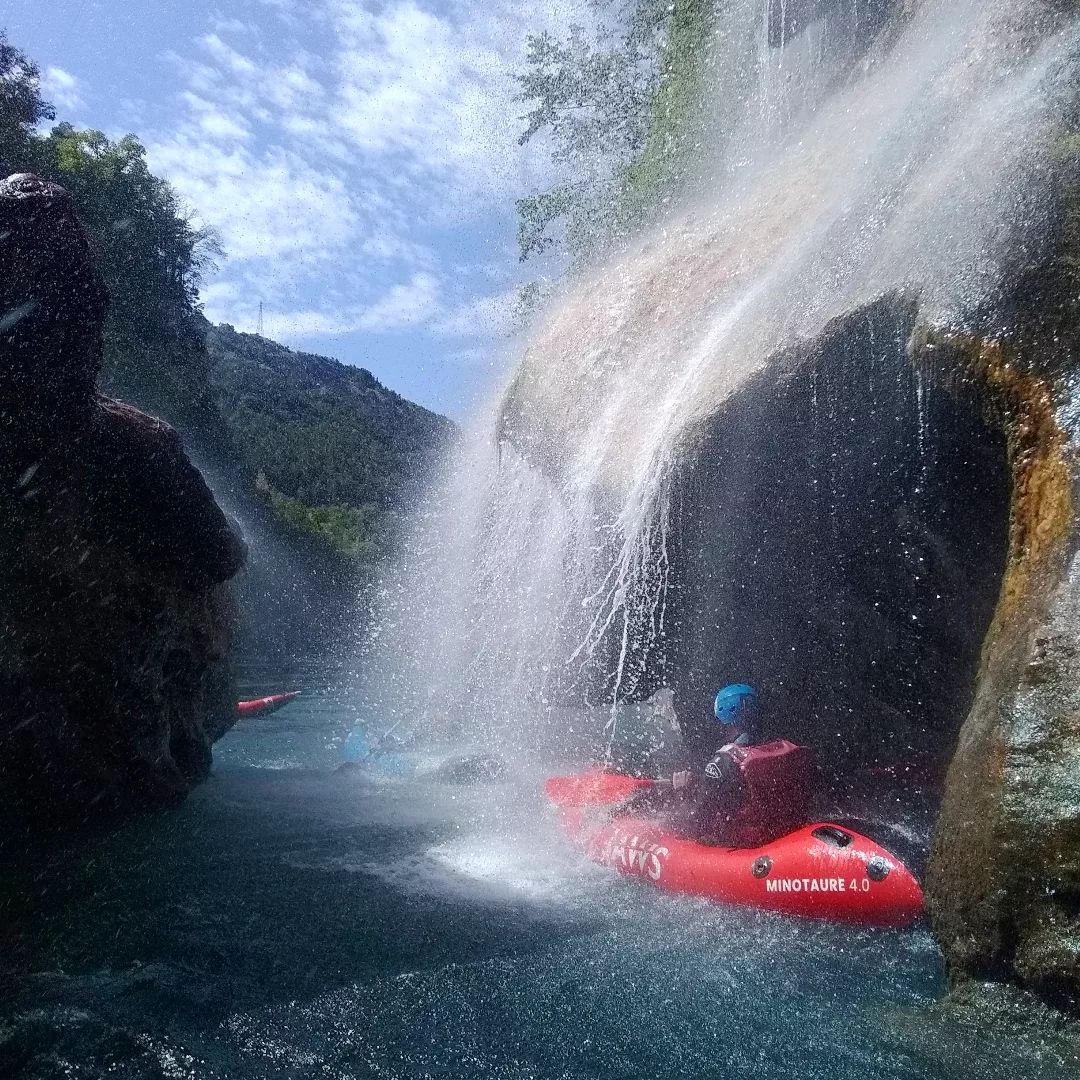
261	705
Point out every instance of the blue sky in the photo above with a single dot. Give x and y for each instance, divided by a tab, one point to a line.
357	158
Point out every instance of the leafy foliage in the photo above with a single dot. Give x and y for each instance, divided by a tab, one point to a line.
591	95
622	109
22	107
359	534
145	238
674	115
152	257
337	453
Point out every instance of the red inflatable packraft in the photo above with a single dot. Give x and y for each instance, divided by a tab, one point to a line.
819	870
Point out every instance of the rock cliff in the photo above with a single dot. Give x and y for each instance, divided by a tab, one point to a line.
1004	879
114	618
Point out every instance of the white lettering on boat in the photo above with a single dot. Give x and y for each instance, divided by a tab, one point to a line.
632	855
812	885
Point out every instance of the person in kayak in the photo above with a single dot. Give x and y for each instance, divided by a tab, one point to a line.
710	789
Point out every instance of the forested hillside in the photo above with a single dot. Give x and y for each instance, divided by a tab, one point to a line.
325	447
335	451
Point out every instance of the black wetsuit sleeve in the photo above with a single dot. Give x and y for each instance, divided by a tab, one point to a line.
722	769
715	794
722	787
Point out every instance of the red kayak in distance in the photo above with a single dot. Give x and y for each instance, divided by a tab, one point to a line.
265	704
819	871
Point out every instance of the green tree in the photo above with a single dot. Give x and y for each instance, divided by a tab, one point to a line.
676	126
144	236
22	108
624	112
591	95
152	257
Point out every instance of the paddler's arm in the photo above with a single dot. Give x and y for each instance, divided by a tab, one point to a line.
681	780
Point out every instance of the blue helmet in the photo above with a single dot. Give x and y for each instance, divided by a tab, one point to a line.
735	705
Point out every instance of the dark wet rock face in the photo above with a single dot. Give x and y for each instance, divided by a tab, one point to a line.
114	621
840	540
1004	879
52	314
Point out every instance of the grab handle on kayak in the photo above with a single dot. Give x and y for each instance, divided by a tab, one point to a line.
833	835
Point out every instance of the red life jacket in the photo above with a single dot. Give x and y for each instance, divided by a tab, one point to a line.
779	777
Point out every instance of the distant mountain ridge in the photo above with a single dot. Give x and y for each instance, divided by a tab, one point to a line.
338	454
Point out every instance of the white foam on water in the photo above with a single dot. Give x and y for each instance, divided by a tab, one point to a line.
543	871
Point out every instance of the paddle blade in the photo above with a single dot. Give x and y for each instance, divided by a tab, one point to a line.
594	788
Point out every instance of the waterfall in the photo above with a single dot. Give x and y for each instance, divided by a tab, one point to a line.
863	155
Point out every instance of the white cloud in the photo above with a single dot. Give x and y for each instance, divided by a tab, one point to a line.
63	89
389	246
215	123
410	304
227	58
436	93
328	157
268	207
224	25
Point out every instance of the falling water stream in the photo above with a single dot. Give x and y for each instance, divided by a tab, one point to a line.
911	163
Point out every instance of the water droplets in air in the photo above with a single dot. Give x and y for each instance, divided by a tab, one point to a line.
840	167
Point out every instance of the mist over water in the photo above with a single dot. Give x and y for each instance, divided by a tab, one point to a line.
294	919
855	159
